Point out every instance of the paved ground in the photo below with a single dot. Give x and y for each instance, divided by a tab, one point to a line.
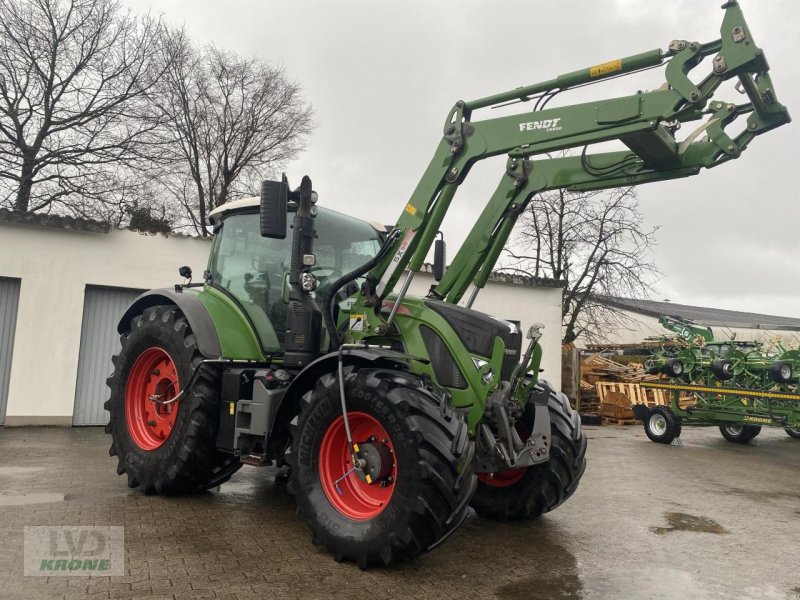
708	519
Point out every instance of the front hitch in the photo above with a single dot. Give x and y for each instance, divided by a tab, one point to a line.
506	449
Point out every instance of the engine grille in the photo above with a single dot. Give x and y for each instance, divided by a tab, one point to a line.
444	365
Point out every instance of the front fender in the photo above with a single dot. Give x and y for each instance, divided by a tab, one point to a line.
189	304
307	379
221	327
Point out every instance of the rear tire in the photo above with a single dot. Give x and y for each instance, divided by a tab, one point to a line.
662	426
431	455
525	493
177	454
738	433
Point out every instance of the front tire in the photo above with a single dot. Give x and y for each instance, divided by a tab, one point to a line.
739	434
165	448
662	426
793	433
423	491
528	492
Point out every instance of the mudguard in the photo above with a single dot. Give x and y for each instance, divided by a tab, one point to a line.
307	378
199	320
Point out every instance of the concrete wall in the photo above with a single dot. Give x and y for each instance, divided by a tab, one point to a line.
640	327
524	303
55	266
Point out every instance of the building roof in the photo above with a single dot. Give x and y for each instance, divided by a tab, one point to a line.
14	217
711	317
60	222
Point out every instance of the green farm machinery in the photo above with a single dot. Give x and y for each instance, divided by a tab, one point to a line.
738	386
389	414
686	329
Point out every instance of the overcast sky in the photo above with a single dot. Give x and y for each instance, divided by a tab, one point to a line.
382	76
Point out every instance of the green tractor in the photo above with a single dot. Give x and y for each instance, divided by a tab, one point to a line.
392	415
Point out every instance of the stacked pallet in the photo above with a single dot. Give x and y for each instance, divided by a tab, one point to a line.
610	390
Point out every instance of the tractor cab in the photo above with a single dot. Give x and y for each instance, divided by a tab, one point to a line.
254	270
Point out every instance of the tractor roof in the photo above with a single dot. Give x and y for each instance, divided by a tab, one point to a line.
255	202
234	205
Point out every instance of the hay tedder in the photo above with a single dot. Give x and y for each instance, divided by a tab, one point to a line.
738	387
391	415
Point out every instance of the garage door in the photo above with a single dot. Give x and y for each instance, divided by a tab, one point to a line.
102	309
9	300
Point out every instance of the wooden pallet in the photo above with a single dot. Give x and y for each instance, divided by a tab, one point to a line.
635	393
610	391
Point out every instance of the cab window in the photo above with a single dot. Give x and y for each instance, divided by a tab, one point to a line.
254	270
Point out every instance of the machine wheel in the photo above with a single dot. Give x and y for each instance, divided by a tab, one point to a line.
662	426
739	433
167	448
723	369
418	453
794	433
674	367
781	371
517	494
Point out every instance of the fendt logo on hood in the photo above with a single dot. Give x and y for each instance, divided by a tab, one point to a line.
544	124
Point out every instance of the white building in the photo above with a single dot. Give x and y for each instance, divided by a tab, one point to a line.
641	320
65	282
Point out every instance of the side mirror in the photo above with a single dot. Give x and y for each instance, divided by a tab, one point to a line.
439	258
274	200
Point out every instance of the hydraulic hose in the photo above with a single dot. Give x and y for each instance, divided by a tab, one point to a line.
327	300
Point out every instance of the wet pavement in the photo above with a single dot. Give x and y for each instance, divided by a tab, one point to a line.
708	519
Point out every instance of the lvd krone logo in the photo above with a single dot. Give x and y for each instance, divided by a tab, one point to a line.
77	543
76	551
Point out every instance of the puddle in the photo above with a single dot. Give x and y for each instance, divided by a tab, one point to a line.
556	576
558	585
26	499
683	522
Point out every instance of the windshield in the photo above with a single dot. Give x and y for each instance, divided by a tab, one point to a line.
253	269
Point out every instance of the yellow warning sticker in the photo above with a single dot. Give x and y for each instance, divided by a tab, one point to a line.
410	209
357	322
233	407
605	68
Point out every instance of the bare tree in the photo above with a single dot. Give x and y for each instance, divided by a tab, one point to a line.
73	80
228	120
595	243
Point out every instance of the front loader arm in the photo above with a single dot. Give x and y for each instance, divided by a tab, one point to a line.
645	122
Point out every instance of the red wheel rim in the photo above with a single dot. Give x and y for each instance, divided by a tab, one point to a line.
358	500
508	477
153	374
